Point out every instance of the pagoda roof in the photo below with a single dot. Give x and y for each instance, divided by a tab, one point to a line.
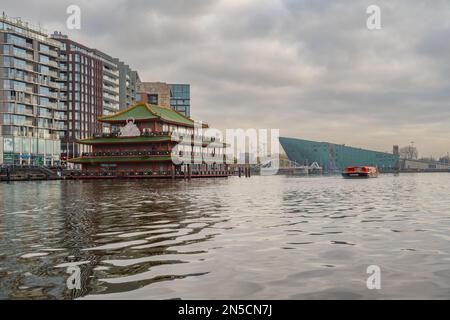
145	111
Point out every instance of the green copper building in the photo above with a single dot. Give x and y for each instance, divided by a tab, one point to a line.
335	157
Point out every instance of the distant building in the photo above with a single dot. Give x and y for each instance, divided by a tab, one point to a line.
414	164
157	93
128	81
32	119
180	98
335	157
175	96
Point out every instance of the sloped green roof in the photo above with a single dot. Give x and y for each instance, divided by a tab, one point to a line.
138	112
143	111
171	115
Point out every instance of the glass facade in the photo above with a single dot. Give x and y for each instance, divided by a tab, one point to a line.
29	132
180	98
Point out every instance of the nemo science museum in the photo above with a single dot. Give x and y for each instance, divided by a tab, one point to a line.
333	158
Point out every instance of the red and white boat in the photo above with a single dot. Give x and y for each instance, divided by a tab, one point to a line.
360	172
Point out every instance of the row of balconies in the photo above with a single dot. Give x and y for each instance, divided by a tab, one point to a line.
29	67
35	135
52	105
140	153
127	153
32	80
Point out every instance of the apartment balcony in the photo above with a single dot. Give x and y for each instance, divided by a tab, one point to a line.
113	91
26	56
111	81
53	95
50	63
115	73
20	66
60	127
52	105
24	78
58	117
47	115
49	53
47	136
49	84
24	100
21	89
21	44
109	97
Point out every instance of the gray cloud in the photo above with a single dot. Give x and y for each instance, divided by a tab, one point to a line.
310	68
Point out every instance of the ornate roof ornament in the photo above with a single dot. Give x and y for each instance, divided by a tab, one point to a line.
130	129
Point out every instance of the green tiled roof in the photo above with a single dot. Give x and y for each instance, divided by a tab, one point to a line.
141	139
170	115
119	159
138	112
143	111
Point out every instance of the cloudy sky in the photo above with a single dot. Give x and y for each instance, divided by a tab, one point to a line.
308	67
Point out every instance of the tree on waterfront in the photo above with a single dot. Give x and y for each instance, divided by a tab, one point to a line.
409	152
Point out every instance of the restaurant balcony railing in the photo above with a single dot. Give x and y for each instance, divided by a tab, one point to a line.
143	173
143	134
127	153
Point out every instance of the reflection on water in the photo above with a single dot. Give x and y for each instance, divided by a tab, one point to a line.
265	237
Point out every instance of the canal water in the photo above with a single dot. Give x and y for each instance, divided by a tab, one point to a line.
274	237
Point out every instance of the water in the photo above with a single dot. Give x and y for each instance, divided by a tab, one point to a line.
266	237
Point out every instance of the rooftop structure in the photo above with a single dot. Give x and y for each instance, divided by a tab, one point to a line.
175	96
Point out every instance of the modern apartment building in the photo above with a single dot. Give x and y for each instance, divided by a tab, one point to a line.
32	119
128	85
175	96
111	83
92	84
81	92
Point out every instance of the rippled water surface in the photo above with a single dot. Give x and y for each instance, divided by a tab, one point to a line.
265	237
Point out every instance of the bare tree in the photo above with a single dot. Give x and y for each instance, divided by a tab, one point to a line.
409	152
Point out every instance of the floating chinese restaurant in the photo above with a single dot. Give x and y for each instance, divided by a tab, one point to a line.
150	141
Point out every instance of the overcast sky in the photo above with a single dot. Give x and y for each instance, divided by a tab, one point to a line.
310	68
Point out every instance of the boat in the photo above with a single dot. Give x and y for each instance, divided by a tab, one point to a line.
360	172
